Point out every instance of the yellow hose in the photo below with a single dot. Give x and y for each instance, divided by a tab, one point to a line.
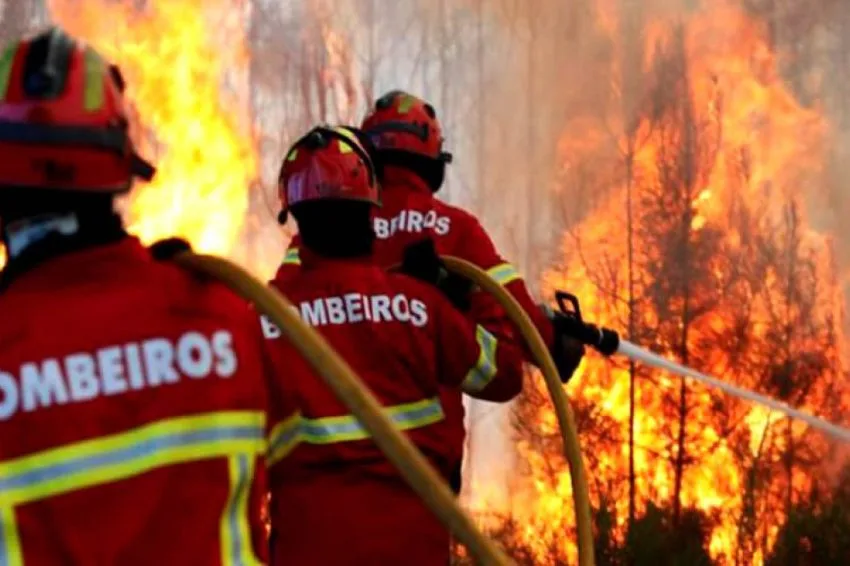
356	397
566	419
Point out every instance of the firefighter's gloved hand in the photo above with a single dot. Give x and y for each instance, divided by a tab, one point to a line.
567	352
422	262
166	249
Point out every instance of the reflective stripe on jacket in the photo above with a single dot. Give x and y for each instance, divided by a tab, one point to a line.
297	429
236	436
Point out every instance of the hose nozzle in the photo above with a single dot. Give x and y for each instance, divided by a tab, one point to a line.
604	340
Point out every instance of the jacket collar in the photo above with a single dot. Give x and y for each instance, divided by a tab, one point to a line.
399	178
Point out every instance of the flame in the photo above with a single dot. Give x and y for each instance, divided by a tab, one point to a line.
179	58
745	186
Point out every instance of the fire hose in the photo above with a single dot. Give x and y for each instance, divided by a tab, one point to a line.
608	342
349	389
563	411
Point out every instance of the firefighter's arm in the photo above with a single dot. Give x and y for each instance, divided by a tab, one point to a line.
566	351
473	359
480	250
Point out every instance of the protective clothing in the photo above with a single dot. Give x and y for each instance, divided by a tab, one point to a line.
133	405
407	343
62	116
409	213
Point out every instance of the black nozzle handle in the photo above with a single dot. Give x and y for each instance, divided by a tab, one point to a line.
568	303
604	340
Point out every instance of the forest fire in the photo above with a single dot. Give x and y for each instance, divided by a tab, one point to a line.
725	276
175	69
698	245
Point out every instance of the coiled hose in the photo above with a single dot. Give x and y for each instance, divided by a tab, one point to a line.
349	389
566	419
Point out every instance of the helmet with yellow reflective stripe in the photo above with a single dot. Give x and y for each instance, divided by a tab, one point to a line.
63	123
406	133
328	163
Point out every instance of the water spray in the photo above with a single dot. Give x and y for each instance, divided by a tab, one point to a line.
608	342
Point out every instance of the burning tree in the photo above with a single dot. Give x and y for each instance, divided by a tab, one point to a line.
719	269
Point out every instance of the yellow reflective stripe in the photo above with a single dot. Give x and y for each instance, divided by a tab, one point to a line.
236	544
345	428
330	430
284	438
292	257
131	453
93	94
504	273
348	134
10	542
6	62
484	370
406	103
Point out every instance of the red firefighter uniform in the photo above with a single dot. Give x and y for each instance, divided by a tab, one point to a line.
132	402
408	136
335	498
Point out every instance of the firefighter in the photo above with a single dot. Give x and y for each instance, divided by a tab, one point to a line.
407	139
335	499
132	402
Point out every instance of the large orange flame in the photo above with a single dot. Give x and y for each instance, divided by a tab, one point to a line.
746	184
178	57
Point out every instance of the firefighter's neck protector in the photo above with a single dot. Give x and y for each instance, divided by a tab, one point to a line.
32	240
336	229
23	234
430	170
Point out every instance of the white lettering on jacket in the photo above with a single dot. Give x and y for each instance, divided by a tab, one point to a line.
355	308
114	370
412	222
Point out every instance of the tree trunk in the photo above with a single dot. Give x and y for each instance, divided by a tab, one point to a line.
688	176
631	88
631	330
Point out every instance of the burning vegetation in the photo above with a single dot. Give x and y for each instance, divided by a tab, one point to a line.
700	248
693	233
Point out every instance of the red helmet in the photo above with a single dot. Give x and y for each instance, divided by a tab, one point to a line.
406	132
63	124
327	163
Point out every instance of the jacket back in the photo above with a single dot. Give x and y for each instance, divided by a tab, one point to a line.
132	412
402	338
